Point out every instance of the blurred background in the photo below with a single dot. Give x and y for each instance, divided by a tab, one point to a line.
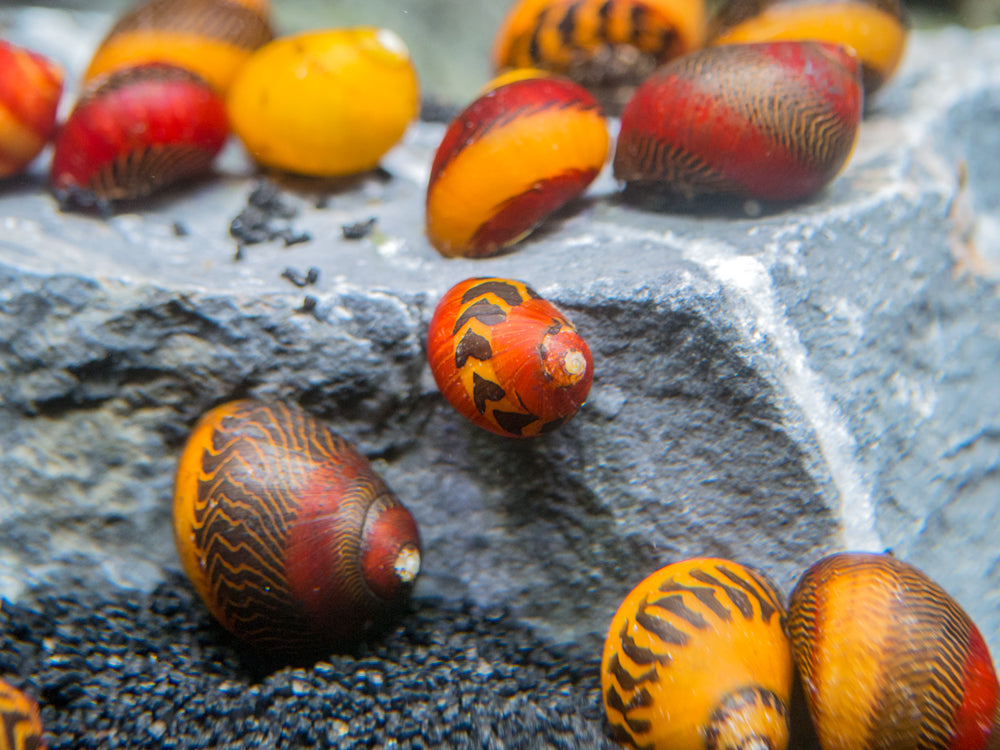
451	39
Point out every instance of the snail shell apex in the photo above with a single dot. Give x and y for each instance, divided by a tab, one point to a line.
696	658
888	660
30	87
288	535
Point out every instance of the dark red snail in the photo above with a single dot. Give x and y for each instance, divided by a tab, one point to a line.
212	38
773	121
507	359
605	45
288	535
136	131
889	661
30	87
875	30
20	725
515	155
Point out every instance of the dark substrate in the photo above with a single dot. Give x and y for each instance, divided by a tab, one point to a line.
128	670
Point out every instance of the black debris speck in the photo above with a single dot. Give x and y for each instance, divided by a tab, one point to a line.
180	229
267	216
151	671
359	229
299	279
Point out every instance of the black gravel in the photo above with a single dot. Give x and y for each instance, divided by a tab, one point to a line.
127	670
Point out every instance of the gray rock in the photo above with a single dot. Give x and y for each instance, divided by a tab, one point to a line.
768	387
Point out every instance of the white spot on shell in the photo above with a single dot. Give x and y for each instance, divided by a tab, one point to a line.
407	564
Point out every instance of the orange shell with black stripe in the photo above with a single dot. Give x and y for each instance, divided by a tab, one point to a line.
697	658
889	660
20	724
506	359
212	38
30	87
290	538
876	30
512	157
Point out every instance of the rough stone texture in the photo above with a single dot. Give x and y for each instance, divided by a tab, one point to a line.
768	387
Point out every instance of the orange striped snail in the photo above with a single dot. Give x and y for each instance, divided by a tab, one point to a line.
774	121
507	359
889	660
605	45
30	87
20	725
875	29
696	658
134	132
288	535
512	157
327	102
212	38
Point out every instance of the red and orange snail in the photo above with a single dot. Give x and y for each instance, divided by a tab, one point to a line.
511	158
774	121
30	87
506	359
134	132
212	38
605	45
290	538
889	660
876	30
697	658
20	724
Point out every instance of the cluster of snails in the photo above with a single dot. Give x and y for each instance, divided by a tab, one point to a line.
702	655
763	101
173	78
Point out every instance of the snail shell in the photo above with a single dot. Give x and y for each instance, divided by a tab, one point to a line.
288	535
20	725
30	87
327	102
773	121
605	45
696	658
136	131
875	29
512	157
889	660
212	38
506	359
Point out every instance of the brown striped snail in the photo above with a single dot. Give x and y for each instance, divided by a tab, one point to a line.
608	46
20	724
875	30
288	535
212	38
30	87
773	121
889	661
509	160
697	658
134	132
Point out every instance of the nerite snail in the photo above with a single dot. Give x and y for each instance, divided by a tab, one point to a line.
773	121
888	660
288	535
20	725
134	132
212	38
509	160
507	359
696	658
30	87
875	30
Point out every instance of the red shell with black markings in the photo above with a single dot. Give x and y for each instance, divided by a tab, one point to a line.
888	660
511	158
136	131
20	724
774	121
30	87
507	359
290	538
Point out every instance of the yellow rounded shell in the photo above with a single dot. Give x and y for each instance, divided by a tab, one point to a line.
325	103
696	653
